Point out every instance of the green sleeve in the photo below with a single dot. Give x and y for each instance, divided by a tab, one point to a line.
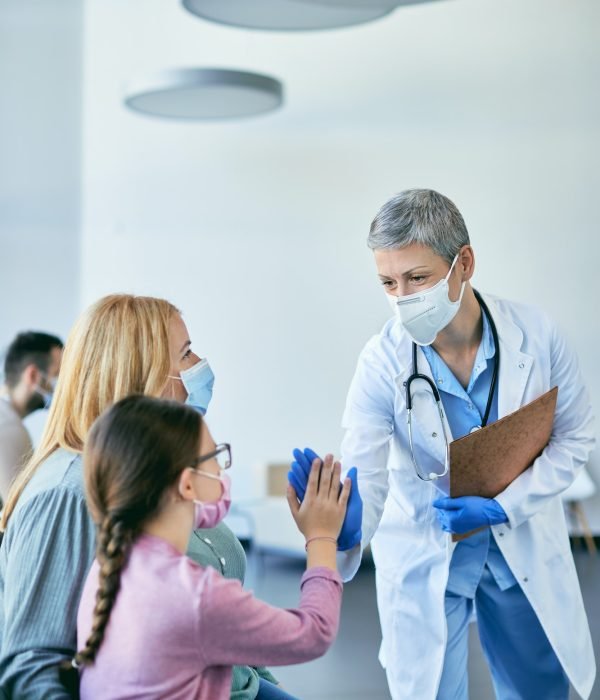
264	673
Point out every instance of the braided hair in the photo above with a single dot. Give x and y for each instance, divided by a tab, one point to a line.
134	453
114	542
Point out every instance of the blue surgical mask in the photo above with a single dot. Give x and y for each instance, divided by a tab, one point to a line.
198	382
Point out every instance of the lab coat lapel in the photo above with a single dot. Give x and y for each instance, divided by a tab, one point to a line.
515	365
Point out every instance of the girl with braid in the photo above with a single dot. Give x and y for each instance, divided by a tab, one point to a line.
121	345
154	624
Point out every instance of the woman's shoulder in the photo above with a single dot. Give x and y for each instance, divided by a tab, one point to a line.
219	548
51	509
525	314
387	353
62	469
59	476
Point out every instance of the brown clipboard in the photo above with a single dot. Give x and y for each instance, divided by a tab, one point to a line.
486	461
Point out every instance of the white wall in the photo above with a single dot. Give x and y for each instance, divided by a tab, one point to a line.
40	164
256	229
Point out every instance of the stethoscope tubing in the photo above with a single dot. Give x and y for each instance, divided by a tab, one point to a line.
436	395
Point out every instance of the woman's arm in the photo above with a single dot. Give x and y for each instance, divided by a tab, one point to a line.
46	554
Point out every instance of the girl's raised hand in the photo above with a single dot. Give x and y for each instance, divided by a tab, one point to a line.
322	511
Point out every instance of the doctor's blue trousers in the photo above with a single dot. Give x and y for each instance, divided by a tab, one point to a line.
521	659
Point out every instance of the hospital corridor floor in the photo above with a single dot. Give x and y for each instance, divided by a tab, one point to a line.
350	669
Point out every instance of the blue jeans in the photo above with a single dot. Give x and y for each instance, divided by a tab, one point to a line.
270	691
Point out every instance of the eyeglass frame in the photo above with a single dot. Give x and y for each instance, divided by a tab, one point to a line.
221	447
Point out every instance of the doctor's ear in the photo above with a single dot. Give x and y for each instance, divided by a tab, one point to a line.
466	263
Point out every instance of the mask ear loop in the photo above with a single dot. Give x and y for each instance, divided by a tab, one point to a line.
462	285
199	472
451	267
179	379
219	478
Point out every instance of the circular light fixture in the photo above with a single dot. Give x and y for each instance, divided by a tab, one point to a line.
390	4
358	4
290	15
204	94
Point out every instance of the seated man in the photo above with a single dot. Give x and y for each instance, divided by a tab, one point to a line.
31	367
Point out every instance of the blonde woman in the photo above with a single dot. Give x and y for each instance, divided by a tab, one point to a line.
121	345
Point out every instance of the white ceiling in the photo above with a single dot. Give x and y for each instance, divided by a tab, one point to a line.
475	63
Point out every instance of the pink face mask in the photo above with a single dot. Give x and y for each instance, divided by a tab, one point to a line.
207	515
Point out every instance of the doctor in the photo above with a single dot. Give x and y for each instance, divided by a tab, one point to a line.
518	573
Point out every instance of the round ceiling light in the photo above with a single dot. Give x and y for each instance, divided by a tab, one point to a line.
390	4
290	15
357	4
204	94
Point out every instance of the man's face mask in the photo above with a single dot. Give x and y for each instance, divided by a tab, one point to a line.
424	314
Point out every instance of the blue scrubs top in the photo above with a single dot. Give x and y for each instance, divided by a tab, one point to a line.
465	410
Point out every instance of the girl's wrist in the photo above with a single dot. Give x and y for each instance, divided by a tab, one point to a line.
321	550
320	538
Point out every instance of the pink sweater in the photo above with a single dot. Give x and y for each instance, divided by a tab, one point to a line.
177	628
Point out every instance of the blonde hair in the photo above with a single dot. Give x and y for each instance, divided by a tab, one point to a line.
119	346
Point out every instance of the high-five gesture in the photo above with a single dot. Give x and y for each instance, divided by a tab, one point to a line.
320	515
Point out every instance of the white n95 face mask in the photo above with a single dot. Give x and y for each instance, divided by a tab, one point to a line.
424	314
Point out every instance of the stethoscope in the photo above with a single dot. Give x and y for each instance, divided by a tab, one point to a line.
432	476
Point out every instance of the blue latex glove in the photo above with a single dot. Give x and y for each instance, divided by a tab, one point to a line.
300	469
460	515
351	532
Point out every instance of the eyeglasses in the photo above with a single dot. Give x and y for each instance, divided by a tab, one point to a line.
222	453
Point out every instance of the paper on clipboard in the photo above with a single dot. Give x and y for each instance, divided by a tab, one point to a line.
485	462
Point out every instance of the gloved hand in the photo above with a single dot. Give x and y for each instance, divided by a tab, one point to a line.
460	515
351	533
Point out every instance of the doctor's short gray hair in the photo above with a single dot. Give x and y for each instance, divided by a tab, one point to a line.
419	216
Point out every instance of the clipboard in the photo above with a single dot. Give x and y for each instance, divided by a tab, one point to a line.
486	461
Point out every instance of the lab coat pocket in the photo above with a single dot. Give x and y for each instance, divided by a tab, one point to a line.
557	554
412	496
554	538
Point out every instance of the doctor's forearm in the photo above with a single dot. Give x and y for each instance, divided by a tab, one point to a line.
348	561
552	473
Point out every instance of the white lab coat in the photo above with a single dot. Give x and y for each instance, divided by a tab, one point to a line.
410	550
